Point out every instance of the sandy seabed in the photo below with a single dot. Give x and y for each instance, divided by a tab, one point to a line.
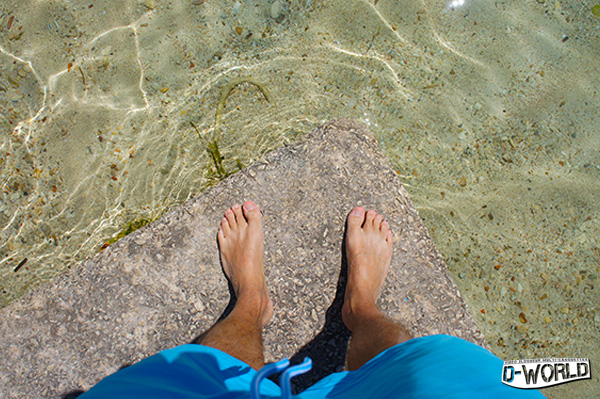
487	110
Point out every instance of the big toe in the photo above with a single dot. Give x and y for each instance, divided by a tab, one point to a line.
356	218
251	212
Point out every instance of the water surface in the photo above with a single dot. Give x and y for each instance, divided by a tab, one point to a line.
488	111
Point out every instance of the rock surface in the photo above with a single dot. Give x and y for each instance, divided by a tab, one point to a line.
162	285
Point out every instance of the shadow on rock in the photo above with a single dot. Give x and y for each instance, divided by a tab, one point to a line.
328	348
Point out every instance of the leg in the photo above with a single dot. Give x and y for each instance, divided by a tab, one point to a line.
241	248
369	245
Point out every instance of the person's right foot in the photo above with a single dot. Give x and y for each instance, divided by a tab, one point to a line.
369	246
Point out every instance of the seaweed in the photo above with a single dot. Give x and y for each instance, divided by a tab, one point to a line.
212	147
212	144
226	90
129	228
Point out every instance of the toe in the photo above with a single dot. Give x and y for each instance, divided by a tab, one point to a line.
356	217
389	237
224	227
239	215
251	212
377	222
221	234
369	219
230	216
385	227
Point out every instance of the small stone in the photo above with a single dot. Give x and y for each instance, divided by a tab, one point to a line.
522	318
150	4
276	9
238	30
565	310
462	182
199	306
521	329
547	320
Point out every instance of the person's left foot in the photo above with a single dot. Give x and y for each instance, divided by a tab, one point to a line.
241	248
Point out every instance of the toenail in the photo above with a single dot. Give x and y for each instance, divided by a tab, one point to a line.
357	211
249	206
236	206
378	217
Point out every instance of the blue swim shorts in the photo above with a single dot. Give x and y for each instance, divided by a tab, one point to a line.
436	366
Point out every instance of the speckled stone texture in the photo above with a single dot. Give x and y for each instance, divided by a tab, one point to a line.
162	285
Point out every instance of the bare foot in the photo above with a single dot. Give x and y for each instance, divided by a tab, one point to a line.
241	247
369	246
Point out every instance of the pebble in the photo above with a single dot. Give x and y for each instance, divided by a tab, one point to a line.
276	9
522	318
199	306
521	329
565	310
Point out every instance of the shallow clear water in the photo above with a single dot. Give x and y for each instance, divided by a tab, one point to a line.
488	111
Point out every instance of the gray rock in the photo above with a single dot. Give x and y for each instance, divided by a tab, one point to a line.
133	300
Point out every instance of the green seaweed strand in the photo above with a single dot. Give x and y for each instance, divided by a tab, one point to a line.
226	90
212	147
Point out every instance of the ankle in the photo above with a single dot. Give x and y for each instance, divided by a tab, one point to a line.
356	311
251	306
